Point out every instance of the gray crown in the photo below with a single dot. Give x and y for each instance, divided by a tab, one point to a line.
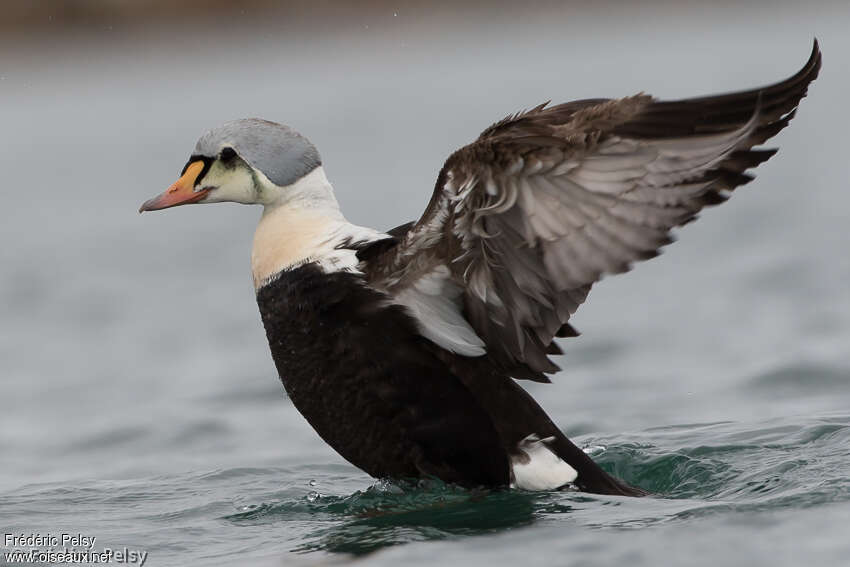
281	153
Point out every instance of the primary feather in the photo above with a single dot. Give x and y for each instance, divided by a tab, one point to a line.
546	202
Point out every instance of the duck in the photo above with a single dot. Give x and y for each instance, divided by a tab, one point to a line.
405	349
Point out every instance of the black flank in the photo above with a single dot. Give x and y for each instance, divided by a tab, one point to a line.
359	372
393	403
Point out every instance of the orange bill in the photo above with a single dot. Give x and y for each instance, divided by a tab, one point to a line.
182	192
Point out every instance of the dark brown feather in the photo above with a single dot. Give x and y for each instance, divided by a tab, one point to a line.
546	202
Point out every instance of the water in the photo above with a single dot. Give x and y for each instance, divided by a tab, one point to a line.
139	401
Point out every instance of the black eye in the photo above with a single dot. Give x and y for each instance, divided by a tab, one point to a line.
227	154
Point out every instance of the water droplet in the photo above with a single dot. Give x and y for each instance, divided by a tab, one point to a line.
594	450
312	482
312	496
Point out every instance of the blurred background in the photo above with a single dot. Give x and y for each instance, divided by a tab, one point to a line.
139	401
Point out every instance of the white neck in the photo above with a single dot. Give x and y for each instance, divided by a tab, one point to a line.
301	224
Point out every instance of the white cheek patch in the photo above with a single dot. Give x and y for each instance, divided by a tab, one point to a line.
537	467
231	185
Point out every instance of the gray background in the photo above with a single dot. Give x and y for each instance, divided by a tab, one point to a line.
131	346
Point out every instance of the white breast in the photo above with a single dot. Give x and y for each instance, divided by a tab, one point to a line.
304	224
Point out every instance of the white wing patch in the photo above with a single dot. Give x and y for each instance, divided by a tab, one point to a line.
537	467
434	301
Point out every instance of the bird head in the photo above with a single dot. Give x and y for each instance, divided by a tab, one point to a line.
248	161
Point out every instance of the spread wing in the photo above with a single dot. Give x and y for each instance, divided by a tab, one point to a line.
544	203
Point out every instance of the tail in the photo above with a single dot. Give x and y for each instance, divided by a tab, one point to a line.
587	476
591	477
542	458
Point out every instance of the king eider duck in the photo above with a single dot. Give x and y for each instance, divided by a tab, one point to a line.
403	349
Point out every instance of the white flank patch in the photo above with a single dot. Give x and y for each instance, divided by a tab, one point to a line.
538	468
434	301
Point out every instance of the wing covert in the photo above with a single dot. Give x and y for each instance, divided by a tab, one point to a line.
544	203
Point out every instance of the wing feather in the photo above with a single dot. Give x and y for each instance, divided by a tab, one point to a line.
544	203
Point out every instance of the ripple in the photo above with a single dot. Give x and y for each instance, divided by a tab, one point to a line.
693	471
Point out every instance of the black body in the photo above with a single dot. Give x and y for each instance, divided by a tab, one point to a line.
391	402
